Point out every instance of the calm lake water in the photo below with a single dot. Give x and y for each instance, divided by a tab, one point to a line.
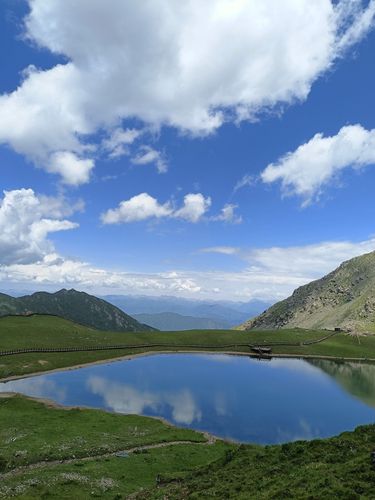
233	397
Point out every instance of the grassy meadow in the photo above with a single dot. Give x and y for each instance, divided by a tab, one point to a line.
52	452
48	452
51	331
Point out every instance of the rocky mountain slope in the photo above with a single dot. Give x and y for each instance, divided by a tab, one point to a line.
76	306
345	298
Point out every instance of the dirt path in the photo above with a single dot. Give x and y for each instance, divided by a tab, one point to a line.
210	440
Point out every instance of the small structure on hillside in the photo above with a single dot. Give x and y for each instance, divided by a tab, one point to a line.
262	351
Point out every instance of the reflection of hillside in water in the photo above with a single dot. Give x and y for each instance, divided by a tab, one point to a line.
358	379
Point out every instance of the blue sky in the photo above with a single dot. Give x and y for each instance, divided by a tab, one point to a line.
221	152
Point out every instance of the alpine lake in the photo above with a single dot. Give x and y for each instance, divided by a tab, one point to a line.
233	397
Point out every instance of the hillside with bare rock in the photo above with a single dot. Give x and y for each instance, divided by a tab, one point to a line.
344	299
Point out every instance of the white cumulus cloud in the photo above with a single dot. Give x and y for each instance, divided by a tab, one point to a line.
191	65
311	166
73	170
55	270
25	222
140	207
194	207
144	206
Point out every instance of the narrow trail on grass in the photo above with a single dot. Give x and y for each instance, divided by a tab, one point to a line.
210	440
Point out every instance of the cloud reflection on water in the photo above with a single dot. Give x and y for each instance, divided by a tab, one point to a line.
245	399
124	398
37	387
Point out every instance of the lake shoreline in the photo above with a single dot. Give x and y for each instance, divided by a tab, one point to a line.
129	357
50	403
333	456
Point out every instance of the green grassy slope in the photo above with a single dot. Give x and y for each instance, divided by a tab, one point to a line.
25	424
56	449
8	305
339	467
78	448
50	331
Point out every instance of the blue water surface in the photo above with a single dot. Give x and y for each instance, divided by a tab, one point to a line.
234	397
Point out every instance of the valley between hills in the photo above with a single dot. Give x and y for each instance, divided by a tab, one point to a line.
106	455
187	250
96	453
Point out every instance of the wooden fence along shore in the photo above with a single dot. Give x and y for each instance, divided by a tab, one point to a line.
261	349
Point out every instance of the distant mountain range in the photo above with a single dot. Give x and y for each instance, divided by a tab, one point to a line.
208	314
75	306
168	321
345	299
133	313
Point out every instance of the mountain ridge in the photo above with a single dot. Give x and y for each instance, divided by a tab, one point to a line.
228	312
76	306
344	298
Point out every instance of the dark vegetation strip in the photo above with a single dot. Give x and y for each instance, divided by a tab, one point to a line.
161	345
338	467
